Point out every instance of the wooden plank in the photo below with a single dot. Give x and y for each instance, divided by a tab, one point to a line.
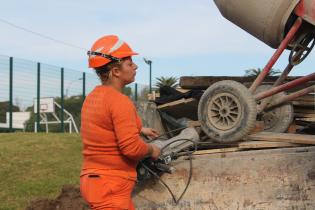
304	103
174	103
283	137
203	82
301	122
264	144
306	119
304	110
152	96
303	115
181	108
309	97
182	90
213	151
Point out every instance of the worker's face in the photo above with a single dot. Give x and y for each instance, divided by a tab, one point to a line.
128	71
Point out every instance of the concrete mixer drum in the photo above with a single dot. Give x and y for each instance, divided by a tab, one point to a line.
267	20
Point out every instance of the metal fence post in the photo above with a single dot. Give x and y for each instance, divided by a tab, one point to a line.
136	92
150	76
62	125
38	98
83	86
11	96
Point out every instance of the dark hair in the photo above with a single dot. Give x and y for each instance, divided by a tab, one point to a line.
106	68
103	72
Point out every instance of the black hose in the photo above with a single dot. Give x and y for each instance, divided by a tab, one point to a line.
176	201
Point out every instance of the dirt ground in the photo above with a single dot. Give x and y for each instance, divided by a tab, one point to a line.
69	199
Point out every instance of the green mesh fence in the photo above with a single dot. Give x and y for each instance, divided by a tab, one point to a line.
22	81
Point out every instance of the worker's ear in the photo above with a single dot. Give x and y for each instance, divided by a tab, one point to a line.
116	71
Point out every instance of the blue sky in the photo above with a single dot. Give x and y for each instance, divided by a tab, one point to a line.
181	37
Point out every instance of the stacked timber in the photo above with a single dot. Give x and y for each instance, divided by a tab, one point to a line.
203	82
184	111
304	108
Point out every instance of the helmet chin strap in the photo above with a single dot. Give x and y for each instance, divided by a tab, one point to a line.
112	58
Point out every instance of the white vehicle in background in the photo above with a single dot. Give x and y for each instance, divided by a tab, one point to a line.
18	120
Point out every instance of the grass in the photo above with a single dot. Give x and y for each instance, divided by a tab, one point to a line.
36	166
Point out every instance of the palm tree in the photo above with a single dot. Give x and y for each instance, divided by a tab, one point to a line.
166	81
256	72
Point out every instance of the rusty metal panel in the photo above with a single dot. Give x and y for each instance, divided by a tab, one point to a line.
279	179
306	10
264	19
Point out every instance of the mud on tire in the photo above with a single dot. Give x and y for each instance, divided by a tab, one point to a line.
227	111
278	118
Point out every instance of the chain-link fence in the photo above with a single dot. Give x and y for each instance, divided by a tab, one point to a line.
61	92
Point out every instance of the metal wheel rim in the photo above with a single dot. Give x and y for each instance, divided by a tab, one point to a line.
270	119
224	111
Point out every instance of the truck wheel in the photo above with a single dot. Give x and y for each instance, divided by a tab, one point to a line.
277	118
227	111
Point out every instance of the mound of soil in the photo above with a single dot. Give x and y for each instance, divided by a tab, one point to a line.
69	199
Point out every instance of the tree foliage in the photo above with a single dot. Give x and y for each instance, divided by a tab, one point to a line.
257	71
166	81
127	91
4	108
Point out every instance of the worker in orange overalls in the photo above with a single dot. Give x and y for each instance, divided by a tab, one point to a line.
110	129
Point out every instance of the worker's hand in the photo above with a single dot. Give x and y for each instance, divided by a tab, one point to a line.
155	152
150	132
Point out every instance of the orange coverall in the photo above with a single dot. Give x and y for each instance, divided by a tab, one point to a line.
112	147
